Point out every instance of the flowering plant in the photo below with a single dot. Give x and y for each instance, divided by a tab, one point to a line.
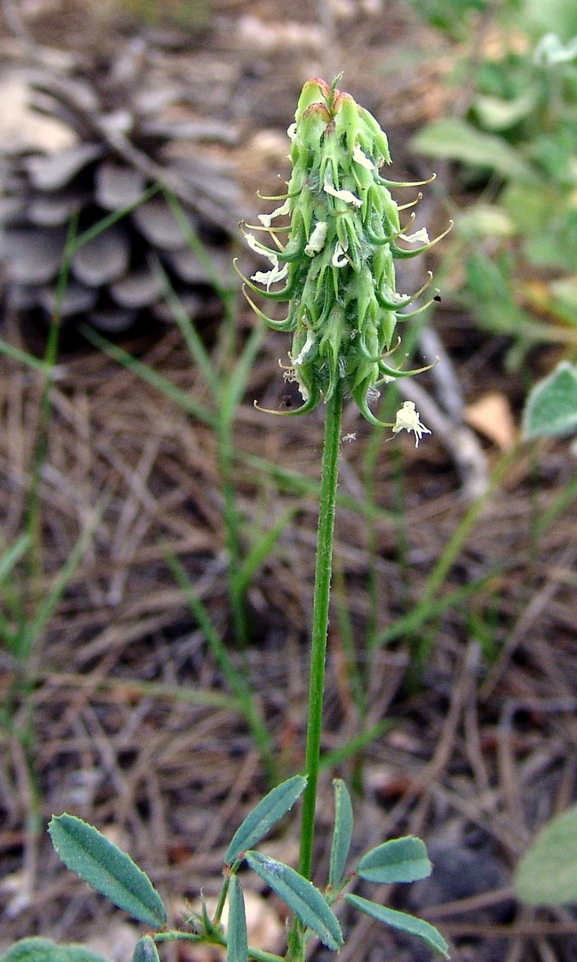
340	283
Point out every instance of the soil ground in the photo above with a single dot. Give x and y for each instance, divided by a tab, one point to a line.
480	745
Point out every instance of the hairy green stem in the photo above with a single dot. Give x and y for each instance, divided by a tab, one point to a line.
320	623
175	935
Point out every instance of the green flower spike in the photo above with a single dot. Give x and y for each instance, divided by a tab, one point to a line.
337	266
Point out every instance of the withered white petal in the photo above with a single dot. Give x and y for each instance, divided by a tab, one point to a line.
420	237
361	158
339	258
261	249
317	239
346	195
408	420
303	392
277	273
306	349
266	219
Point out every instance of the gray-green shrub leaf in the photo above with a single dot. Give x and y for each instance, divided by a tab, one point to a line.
44	950
268	811
86	851
496	113
453	139
300	895
551	408
400	920
145	950
547	873
399	860
342	832
237	938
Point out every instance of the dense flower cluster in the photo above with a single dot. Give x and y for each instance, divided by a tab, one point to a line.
338	262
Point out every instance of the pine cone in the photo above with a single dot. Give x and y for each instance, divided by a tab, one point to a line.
120	154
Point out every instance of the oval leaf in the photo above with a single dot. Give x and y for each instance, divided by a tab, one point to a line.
400	860
498	113
268	811
301	896
237	938
547	873
342	832
551	408
145	950
400	920
44	950
86	851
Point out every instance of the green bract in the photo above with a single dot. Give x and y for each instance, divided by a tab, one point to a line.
338	262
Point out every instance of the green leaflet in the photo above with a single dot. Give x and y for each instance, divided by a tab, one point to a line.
44	950
551	408
84	850
547	873
268	811
400	860
237	939
342	832
145	950
301	896
400	920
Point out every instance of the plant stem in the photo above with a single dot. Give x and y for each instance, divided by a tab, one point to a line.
320	624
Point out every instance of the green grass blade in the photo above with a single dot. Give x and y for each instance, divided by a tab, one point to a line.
24	358
162	384
193	342
299	484
237	683
262	548
196	245
177	694
12	555
112	218
29	636
238	380
354	746
427	609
